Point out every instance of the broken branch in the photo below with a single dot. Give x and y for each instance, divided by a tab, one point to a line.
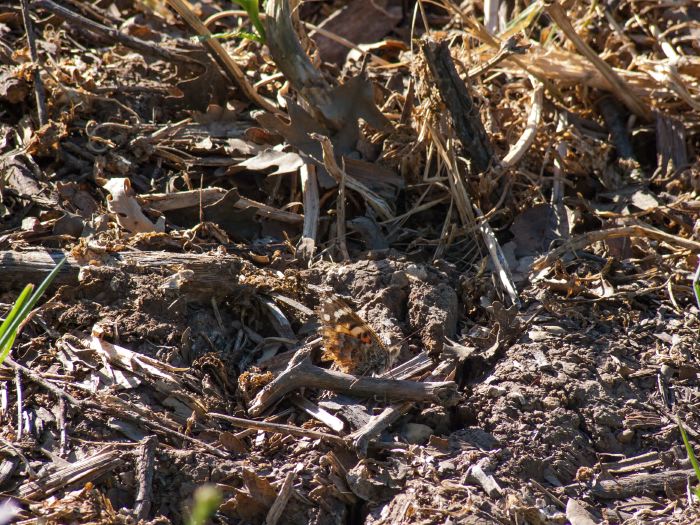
304	374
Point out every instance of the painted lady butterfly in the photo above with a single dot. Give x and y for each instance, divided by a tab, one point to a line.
350	342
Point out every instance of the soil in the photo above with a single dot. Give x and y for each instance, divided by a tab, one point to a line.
564	397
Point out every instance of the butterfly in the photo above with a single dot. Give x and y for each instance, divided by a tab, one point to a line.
352	345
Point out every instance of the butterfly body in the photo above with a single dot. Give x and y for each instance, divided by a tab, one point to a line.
352	345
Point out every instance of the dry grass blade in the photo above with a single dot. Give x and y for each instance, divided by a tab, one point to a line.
312	211
621	89
586	239
518	150
221	56
375	201
279	428
498	259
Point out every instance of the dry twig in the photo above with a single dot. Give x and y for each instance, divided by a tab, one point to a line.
301	373
221	56
38	84
621	89
145	463
86	25
635	230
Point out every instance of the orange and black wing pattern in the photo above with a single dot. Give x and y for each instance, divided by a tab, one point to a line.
352	345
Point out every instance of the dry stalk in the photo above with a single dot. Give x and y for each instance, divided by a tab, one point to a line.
86	25
465	115
376	425
221	56
507	49
295	65
39	91
315	411
557	199
518	150
621	89
145	463
312	211
375	201
498	259
340	228
458	190
301	373
207	197
277	508
82	471
635	230
280	428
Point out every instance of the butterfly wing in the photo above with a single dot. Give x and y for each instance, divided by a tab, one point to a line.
349	341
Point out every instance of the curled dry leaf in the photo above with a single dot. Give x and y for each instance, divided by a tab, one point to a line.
253	502
209	86
348	103
46	140
13	88
122	203
286	162
17	173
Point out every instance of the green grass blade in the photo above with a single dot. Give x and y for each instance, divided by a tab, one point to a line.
251	7
207	499
10	328
230	34
24	296
691	454
5	351
9	320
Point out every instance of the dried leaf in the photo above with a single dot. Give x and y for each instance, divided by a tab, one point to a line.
45	141
232	443
286	162
534	230
123	204
578	515
350	102
239	224
252	504
16	174
13	88
208	86
222	121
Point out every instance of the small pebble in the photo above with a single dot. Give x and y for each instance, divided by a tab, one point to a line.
551	402
445	467
416	433
418	272
667	371
626	436
496	391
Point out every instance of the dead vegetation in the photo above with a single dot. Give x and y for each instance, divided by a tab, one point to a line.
505	191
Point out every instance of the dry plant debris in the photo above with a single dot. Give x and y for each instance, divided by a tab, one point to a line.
498	200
